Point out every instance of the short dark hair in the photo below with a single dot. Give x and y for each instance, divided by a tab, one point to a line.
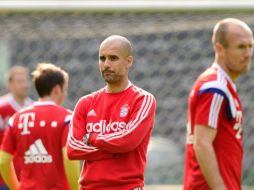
46	76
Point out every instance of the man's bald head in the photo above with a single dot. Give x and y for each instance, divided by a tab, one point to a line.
120	42
224	27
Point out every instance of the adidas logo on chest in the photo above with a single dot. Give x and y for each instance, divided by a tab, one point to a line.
91	113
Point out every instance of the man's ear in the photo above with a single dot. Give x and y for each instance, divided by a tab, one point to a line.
219	48
129	61
8	86
56	89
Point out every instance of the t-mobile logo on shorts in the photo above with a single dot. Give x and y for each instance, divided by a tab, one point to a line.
37	153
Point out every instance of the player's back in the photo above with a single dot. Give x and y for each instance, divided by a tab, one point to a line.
39	134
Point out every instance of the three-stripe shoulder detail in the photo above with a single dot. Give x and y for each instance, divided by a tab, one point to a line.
222	89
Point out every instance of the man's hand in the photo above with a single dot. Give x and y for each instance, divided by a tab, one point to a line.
86	138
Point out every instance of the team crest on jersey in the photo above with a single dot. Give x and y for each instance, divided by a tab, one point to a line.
124	110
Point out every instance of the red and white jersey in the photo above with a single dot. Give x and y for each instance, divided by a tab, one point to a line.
37	135
9	106
214	102
120	126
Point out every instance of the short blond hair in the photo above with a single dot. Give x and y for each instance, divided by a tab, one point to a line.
15	70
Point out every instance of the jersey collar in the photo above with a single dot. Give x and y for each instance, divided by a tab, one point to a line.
129	84
15	104
44	103
221	70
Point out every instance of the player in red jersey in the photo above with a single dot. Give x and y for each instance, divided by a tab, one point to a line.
38	136
214	149
111	127
18	84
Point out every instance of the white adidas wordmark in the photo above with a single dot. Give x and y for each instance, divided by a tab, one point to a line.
91	113
37	154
